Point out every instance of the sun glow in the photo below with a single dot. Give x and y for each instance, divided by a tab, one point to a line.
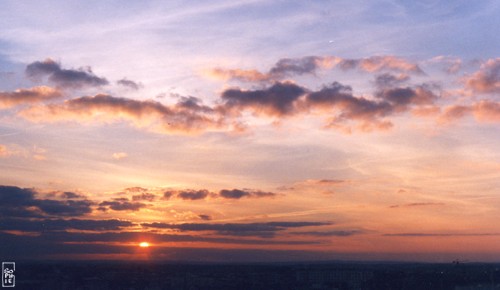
144	244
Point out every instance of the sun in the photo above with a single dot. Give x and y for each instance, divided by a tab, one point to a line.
144	244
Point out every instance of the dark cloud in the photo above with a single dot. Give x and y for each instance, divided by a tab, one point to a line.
403	97
70	195
197	194
192	104
237	193
168	194
441	234
193	194
21	202
276	100
388	80
129	84
28	96
295	66
336	233
144	196
60	244
282	99
330	181
205	217
67	78
136	189
43	225
17	202
64	208
265	230
121	205
418	204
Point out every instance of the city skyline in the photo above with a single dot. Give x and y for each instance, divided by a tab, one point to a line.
250	131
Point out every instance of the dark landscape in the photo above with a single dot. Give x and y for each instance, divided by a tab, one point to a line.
300	276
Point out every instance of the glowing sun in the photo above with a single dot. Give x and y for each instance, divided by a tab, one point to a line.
144	244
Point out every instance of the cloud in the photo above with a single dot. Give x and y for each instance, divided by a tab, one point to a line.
329	181
44	225
441	234
129	84
144	196
121	204
341	109
383	63
388	80
336	100
487	79
28	96
66	78
287	67
450	64
335	233
265	230
60	244
453	113
205	217
21	202
367	113
418	204
193	194
483	111
299	66
70	195
238	193
197	194
277	100
402	97
150	114
487	111
239	74
64	208
119	155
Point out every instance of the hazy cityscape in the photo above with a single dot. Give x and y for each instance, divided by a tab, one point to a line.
250	144
285	276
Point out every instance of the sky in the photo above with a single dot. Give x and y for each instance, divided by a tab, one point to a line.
250	131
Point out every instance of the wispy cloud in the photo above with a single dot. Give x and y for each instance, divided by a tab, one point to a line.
129	84
288	67
268	229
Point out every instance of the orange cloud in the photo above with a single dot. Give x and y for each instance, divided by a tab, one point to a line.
27	96
453	113
238	74
392	63
487	79
182	117
487	111
483	111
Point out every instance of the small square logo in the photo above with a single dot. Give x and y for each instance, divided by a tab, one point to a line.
8	277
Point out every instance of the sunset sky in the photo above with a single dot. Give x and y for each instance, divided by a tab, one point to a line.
236	131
